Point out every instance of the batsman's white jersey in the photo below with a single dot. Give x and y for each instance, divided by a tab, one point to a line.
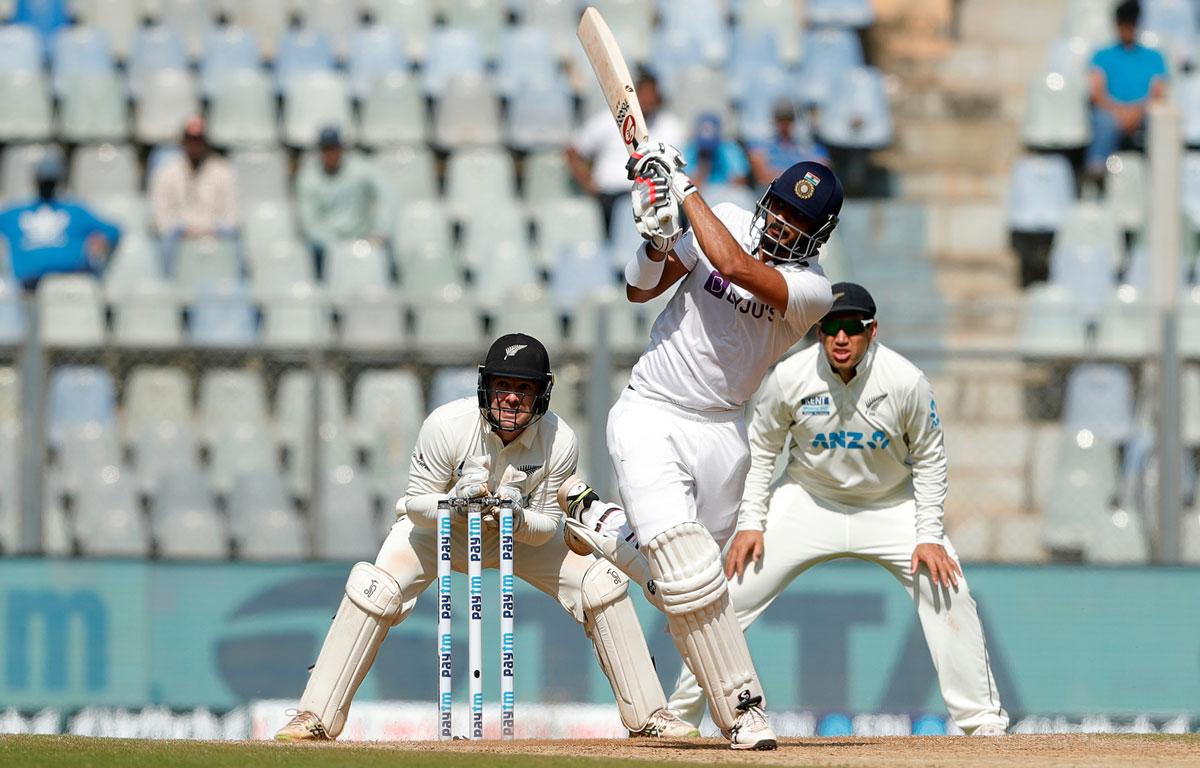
866	478
677	436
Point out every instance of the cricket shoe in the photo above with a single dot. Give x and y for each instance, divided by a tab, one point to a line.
665	724
989	729
752	731
305	726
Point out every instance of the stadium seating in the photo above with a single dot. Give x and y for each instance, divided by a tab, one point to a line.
467	113
185	518
155	48
155	395
147	315
71	311
29	118
222	316
393	112
313	101
108	517
243	111
302	52
227	50
453	52
1041	189
93	108
104	170
375	54
262	520
346	529
168	98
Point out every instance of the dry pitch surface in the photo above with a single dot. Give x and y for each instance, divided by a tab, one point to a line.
918	752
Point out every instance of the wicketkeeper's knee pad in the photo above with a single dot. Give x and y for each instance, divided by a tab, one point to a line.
611	622
685	562
373	603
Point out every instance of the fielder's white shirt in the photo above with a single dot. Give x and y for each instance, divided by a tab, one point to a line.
713	343
546	452
873	442
599	140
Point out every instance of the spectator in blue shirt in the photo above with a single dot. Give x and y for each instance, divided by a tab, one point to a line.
49	235
1125	78
773	156
712	159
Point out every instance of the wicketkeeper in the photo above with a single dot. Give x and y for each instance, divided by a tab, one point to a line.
508	444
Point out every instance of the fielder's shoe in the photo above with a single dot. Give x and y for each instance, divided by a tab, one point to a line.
575	496
665	724
305	726
989	729
752	731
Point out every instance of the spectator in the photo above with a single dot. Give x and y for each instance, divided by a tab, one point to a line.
1125	77
194	195
773	156
341	198
712	159
49	235
47	17
597	155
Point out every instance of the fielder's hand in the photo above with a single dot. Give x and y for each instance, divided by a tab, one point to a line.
746	546
943	569
473	482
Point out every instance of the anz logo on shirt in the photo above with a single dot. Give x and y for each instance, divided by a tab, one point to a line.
718	286
851	441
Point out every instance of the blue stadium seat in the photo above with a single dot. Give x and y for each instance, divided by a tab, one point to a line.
526	58
302	52
827	54
1099	398
47	17
79	50
190	20
781	20
334	19
29	116
754	51
222	316
485	18
79	395
452	52
860	117
1191	189
312	102
375	53
242	112
393	112
1041	189
1056	115
227	50
452	384
840	13
580	271
263	521
185	520
539	115
20	49
154	48
702	24
1170	26
411	21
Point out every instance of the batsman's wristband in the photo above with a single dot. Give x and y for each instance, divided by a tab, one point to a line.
643	273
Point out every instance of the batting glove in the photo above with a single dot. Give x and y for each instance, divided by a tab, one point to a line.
662	161
660	226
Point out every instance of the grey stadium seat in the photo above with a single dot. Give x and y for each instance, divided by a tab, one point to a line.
242	113
147	315
93	108
108	518
185	519
102	170
229	397
345	521
161	448
393	112
263	521
1041	189
312	102
71	311
467	114
168	98
29	118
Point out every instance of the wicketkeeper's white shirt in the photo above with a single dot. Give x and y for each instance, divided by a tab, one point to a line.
546	452
868	444
713	343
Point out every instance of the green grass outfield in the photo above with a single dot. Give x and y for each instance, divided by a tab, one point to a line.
87	752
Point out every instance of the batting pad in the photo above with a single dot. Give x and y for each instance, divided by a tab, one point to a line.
371	607
686	565
612	624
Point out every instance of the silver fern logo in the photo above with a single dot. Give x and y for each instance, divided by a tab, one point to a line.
514	349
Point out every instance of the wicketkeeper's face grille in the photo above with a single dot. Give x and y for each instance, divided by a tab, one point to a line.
786	235
511	404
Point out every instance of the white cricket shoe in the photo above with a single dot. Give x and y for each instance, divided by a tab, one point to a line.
752	731
665	724
989	729
305	726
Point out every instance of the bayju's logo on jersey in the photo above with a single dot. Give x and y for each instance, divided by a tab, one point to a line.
718	286
817	405
514	349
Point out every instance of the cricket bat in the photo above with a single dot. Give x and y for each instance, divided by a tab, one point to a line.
610	68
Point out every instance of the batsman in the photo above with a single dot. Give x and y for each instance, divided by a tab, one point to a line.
504	443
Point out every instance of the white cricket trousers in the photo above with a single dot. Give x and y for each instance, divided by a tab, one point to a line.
675	466
803	531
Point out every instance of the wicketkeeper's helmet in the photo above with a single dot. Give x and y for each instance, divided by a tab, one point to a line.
516	356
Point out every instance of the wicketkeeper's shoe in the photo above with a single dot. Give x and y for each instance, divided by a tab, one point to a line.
665	724
305	726
989	729
752	731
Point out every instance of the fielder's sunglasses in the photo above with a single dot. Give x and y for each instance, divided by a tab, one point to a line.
852	326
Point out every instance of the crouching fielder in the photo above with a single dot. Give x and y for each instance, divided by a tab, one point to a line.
506	443
866	479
